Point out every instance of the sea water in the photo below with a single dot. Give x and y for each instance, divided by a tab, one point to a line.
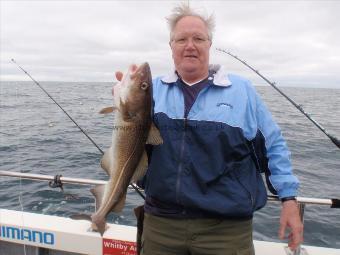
37	137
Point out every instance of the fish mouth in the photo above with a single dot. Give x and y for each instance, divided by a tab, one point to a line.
144	66
142	72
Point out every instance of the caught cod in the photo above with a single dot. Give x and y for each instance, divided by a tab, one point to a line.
126	160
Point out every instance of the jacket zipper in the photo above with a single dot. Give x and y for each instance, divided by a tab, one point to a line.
180	166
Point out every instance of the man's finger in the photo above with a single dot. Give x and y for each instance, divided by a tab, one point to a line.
292	246
282	231
296	239
119	75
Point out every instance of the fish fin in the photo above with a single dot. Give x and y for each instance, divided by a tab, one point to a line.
81	217
127	115
107	110
98	193
105	162
120	205
141	168
154	136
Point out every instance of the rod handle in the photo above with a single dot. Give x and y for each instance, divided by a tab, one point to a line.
335	203
335	140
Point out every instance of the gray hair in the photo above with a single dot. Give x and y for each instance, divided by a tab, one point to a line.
184	10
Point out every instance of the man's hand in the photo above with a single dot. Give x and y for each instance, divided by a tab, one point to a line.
290	217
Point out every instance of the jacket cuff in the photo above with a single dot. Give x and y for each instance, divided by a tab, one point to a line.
287	193
288	199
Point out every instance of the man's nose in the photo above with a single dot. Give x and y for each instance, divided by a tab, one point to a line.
190	43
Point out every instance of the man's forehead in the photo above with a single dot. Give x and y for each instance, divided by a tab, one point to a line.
189	33
190	24
190	21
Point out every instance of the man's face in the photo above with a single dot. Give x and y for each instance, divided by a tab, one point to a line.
190	45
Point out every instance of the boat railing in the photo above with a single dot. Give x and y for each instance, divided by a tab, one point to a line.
58	181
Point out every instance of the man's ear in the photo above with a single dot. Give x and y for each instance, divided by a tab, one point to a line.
119	75
172	52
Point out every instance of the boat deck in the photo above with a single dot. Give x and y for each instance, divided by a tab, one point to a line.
53	235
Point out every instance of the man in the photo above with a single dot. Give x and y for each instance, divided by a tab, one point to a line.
204	182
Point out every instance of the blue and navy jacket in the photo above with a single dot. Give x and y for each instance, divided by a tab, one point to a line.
210	163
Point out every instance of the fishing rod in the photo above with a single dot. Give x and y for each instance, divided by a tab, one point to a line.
82	130
37	83
335	140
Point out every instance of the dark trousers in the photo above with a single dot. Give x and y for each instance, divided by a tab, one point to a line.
165	236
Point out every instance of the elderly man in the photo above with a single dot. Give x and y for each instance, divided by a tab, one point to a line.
204	182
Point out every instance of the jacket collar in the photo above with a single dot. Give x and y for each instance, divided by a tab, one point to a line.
219	76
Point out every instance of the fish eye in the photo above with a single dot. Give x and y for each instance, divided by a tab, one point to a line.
144	85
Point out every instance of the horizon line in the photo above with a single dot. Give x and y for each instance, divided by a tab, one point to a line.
255	84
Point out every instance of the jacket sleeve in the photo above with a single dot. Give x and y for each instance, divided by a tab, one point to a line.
279	168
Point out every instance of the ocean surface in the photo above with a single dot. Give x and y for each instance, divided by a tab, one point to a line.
37	137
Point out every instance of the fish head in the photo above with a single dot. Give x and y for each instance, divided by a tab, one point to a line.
135	91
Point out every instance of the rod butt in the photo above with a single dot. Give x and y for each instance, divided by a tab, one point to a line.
335	203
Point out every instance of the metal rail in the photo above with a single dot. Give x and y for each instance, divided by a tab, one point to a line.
41	177
307	200
334	203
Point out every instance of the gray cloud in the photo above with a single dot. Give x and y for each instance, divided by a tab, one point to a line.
293	42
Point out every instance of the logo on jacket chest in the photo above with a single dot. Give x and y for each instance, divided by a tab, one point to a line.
224	104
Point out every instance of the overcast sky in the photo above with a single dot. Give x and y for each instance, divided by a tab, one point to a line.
295	43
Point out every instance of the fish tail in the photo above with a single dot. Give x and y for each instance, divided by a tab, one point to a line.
98	224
